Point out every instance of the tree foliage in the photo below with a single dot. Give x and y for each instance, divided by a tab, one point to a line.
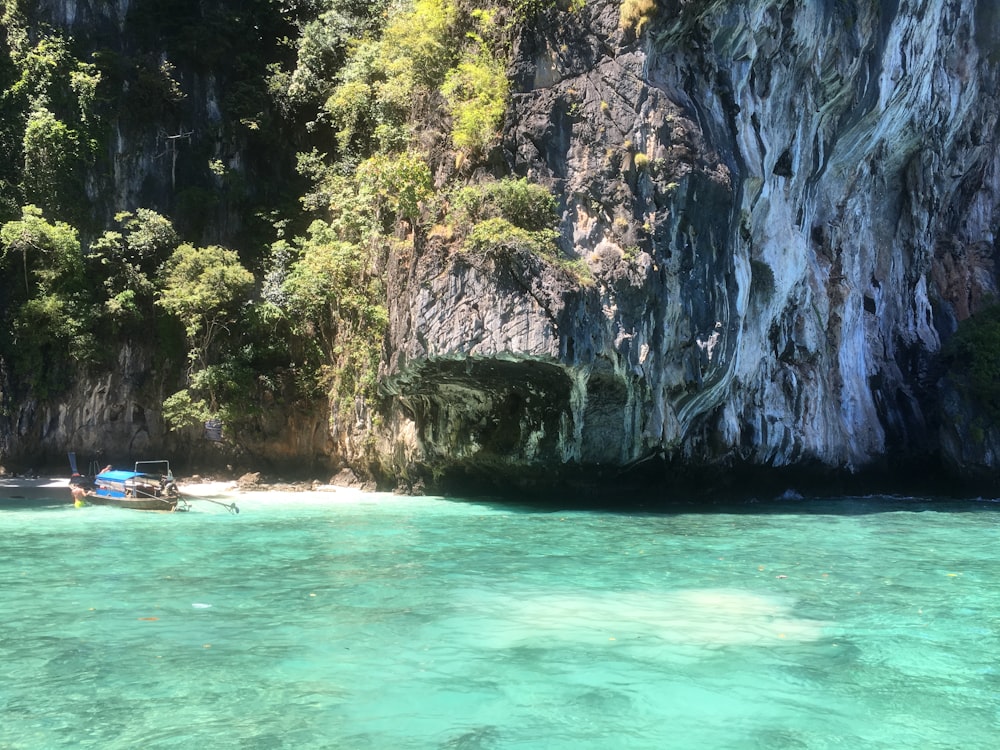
205	289
524	204
476	91
973	356
56	93
327	33
51	320
51	163
127	262
396	187
385	77
47	253
334	300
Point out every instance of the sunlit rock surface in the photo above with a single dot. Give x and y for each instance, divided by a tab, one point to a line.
786	207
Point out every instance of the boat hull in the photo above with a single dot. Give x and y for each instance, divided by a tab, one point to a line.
41	490
165	504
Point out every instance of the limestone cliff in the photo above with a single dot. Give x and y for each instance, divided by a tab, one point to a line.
785	207
180	92
779	210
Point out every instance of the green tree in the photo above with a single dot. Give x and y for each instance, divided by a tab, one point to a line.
396	187
127	263
45	255
11	122
204	288
56	93
51	76
52	176
385	79
335	301
322	286
49	312
326	35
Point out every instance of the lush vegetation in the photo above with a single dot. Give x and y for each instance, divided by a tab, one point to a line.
973	355
292	146
48	311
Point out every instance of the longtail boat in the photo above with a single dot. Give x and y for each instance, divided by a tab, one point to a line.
150	486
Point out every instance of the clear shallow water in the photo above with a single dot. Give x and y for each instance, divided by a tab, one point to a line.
387	622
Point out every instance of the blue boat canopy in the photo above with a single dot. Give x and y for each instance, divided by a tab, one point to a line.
117	475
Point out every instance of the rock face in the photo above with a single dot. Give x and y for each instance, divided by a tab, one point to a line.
104	417
785	207
116	416
156	143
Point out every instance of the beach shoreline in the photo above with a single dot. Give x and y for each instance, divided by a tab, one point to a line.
58	488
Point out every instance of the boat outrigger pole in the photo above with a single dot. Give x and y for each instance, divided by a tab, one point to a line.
231	507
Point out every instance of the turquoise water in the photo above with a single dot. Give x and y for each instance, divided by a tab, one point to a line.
389	622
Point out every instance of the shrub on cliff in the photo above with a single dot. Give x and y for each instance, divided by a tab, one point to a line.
524	204
973	358
506	214
636	14
476	92
494	234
